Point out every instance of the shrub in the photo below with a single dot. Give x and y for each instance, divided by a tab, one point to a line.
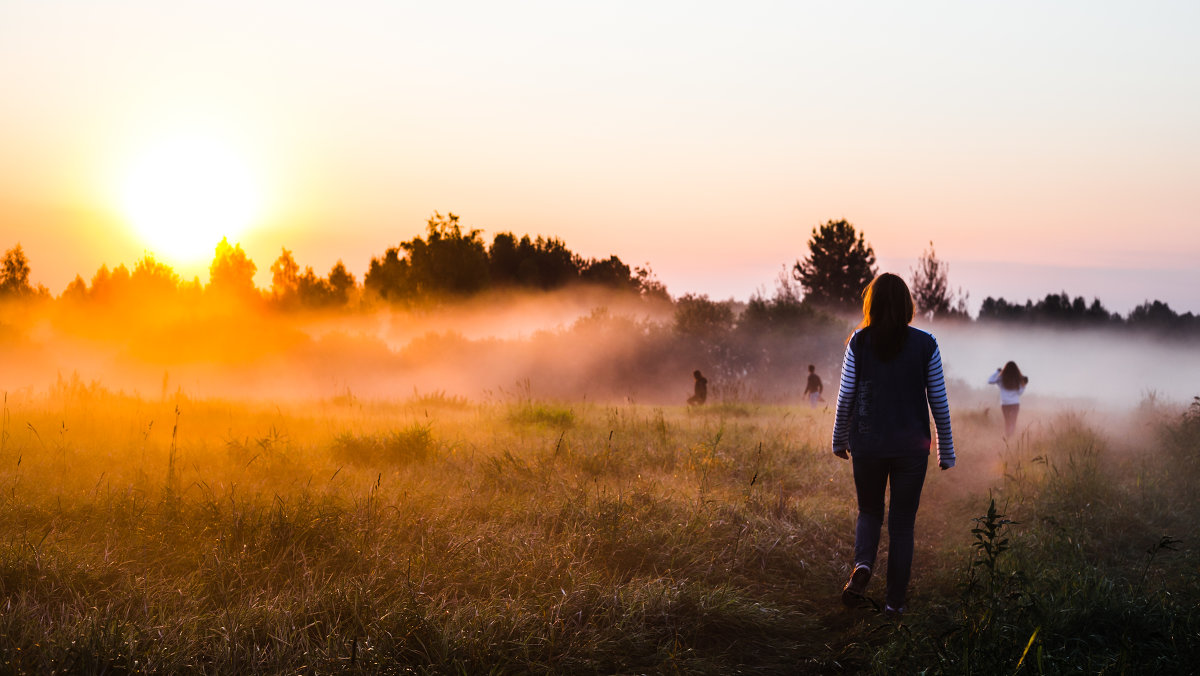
542	414
411	444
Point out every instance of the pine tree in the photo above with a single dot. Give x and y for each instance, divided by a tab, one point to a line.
839	266
931	288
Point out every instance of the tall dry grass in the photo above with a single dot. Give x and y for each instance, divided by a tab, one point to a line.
438	535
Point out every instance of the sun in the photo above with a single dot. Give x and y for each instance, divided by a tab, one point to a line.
184	193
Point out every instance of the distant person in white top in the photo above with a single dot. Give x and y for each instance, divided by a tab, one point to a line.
1012	385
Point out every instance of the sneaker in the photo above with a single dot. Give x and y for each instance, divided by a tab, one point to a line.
894	613
855	590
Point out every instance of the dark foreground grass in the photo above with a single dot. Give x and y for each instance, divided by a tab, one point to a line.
420	538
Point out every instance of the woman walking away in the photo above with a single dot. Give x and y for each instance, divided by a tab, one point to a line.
1012	385
891	380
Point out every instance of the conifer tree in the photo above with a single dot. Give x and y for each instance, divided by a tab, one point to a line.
839	266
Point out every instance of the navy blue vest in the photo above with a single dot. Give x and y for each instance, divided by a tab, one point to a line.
890	414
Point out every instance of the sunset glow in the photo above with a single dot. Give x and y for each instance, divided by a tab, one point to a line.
183	194
1043	148
619	337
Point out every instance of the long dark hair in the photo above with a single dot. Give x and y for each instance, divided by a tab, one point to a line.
887	311
1011	378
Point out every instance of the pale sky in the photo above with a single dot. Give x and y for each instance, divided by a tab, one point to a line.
1042	147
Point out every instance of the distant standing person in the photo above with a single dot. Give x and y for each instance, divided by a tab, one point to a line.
701	393
814	387
891	382
1012	385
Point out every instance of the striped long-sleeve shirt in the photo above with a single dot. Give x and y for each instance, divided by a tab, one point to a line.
883	407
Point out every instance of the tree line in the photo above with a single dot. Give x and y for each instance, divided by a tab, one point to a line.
841	263
451	262
447	263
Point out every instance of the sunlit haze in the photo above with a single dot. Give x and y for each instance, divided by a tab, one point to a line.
1041	147
473	336
185	193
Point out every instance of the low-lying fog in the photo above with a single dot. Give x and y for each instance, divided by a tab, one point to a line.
564	345
1089	367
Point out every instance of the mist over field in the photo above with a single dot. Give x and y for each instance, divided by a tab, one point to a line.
576	344
1084	367
556	341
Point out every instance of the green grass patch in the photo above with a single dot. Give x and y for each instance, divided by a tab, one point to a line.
542	414
411	444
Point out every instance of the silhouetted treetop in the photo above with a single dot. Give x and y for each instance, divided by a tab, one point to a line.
1159	316
291	289
610	272
931	292
341	283
1055	308
232	272
285	279
452	262
839	266
542	263
14	274
153	278
151	282
446	262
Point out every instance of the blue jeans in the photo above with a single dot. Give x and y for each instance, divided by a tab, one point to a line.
871	477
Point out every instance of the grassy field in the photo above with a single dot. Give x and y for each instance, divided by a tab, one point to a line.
437	535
